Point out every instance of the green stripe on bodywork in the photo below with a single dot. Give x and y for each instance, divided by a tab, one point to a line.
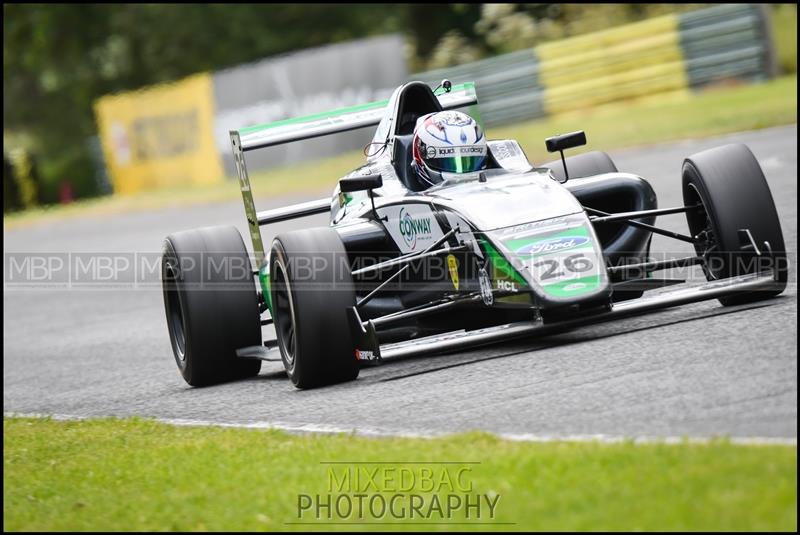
585	285
558	289
263	278
314	117
500	263
333	113
461	87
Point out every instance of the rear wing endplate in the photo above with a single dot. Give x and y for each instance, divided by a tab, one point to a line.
308	127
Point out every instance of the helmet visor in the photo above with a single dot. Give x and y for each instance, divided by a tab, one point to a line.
458	159
457	164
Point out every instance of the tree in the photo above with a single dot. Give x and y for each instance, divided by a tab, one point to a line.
57	59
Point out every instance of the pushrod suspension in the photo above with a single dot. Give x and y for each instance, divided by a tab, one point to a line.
651	228
403	259
643	213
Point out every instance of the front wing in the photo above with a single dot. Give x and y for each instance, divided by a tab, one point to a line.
370	351
464	340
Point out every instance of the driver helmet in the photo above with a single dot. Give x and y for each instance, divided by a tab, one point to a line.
447	142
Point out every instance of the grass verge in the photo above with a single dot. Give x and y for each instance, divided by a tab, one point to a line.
681	115
135	474
784	31
678	116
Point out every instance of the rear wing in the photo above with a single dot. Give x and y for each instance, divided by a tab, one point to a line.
308	127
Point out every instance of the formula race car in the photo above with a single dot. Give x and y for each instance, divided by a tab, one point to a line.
406	267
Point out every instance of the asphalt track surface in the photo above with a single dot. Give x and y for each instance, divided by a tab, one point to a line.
700	370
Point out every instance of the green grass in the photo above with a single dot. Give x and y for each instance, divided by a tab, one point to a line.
784	31
664	118
134	474
714	111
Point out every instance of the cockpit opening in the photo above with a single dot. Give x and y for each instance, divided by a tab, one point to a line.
417	99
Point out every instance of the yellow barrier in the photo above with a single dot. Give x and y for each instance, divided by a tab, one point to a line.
626	62
161	136
580	44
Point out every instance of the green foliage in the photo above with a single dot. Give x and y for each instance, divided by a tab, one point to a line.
75	171
509	27
11	189
429	25
58	58
134	474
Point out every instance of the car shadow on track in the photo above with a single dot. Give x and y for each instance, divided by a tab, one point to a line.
546	342
431	363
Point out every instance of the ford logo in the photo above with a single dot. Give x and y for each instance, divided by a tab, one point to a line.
552	245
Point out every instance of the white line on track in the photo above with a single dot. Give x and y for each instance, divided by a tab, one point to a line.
382	433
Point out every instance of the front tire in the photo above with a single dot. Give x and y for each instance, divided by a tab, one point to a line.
729	184
211	304
311	288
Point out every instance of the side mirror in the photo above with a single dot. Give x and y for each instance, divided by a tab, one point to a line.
565	141
360	183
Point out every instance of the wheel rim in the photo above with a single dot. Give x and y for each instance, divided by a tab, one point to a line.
175	313
284	314
701	227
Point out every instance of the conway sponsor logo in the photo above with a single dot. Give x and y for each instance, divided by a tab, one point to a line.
552	245
411	228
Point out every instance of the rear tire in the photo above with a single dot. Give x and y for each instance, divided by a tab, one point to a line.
311	288
730	185
211	304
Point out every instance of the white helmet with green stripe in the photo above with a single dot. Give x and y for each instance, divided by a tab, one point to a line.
447	142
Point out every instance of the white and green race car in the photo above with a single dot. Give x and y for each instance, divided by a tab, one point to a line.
404	268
